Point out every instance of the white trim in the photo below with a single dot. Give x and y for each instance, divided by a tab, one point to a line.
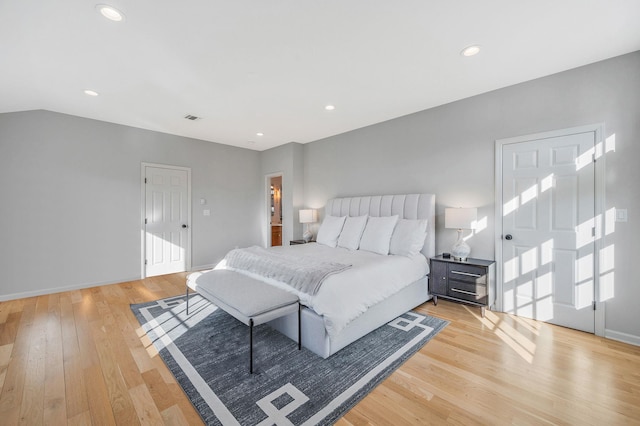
47	291
202	267
267	204
143	240
599	208
622	337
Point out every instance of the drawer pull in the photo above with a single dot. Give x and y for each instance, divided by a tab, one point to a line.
466	273
464	292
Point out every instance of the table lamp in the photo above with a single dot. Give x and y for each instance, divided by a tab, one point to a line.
460	218
308	216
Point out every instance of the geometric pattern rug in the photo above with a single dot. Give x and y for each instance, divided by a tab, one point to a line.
208	351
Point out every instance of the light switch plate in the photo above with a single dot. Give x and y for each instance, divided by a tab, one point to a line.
206	212
621	215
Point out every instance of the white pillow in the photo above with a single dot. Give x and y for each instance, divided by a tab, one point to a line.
352	231
377	234
330	230
408	237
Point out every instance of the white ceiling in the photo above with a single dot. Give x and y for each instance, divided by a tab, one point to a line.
270	66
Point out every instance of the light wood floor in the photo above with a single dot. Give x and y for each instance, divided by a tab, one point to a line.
80	358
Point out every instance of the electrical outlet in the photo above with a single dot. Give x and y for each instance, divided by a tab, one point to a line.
206	212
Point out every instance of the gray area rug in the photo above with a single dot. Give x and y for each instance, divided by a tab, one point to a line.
208	352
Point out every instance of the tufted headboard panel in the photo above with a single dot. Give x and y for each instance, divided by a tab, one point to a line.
406	206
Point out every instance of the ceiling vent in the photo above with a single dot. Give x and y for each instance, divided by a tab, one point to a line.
192	117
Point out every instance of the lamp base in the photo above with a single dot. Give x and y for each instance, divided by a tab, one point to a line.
460	250
307	236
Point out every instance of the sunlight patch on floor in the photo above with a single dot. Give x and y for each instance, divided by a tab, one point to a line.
520	344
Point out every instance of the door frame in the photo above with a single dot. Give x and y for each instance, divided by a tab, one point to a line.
599	209
267	204
143	211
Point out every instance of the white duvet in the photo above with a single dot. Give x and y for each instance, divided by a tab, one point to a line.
346	295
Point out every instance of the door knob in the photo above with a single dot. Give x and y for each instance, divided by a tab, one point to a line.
508	237
185	226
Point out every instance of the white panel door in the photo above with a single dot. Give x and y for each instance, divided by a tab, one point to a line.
549	229
166	221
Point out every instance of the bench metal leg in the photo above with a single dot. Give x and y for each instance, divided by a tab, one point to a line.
187	299
251	346
299	327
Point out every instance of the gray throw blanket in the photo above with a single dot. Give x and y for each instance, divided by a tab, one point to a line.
304	273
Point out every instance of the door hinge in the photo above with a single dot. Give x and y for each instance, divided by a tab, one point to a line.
145	261
594	157
145	220
594	305
145	180
593	231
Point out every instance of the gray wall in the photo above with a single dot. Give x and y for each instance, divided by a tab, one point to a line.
70	191
450	151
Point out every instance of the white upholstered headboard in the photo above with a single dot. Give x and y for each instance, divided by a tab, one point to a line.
406	206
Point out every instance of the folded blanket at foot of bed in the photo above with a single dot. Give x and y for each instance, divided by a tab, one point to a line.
306	274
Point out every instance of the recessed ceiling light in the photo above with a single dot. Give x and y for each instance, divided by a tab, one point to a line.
110	12
329	107
471	50
259	134
91	92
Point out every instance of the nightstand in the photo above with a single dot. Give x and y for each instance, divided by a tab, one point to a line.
472	281
295	242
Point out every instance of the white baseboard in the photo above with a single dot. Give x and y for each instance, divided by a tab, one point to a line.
52	290
622	337
45	291
202	267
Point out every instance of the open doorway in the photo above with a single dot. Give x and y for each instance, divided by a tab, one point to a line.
275	207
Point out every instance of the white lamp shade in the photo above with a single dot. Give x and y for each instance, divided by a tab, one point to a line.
460	218
308	216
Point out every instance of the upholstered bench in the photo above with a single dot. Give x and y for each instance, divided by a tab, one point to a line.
248	300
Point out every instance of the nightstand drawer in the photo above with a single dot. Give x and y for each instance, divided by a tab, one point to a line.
467	291
468	273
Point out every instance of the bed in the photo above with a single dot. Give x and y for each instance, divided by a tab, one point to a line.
374	289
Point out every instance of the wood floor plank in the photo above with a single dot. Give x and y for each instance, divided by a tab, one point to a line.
55	406
84	313
119	346
173	416
158	389
80	419
9	328
147	410
5	357
76	296
99	401
74	381
5	310
12	390
119	398
184	404
31	409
